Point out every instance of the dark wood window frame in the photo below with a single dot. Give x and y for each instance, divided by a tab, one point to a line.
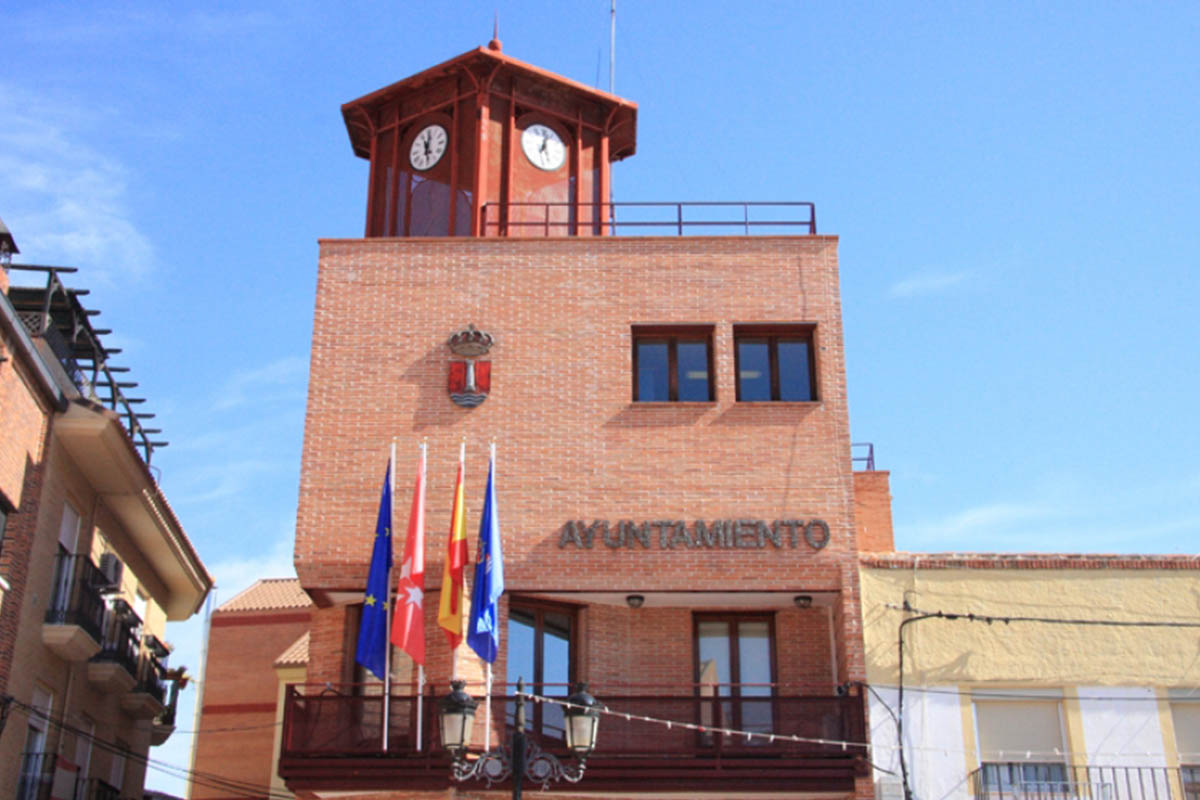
733	618
533	683
774	334
672	335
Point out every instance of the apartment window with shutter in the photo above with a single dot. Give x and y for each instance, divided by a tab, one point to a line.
1021	748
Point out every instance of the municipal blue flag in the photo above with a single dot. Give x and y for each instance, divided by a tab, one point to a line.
373	628
483	630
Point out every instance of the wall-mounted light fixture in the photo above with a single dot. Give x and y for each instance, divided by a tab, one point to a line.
635	600
803	600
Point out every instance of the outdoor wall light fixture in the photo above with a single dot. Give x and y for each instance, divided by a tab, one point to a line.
803	600
635	600
521	759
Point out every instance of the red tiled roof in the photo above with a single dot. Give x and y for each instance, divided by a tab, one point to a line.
268	594
296	655
1027	561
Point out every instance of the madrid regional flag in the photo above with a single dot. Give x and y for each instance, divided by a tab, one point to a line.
408	620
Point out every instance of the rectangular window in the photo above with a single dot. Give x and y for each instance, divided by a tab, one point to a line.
1021	748
775	363
735	659
541	650
672	363
36	761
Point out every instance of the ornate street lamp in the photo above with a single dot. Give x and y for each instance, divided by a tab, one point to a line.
457	714
522	759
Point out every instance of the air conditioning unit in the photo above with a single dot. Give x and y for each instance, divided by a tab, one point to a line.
112	569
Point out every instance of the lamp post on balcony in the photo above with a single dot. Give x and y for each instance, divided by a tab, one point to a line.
522	758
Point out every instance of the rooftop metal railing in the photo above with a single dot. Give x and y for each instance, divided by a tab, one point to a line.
714	218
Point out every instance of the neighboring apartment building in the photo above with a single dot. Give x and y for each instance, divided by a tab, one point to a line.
675	488
1078	676
93	561
257	644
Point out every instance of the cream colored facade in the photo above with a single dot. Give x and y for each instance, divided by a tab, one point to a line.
102	563
1079	709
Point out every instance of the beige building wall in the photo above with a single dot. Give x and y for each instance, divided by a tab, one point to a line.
977	692
75	700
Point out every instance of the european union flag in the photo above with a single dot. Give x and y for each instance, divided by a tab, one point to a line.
373	628
483	631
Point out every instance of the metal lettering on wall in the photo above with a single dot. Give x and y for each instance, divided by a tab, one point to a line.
722	534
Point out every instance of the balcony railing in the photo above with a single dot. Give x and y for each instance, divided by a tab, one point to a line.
326	728
120	645
736	218
150	677
77	599
95	789
1038	781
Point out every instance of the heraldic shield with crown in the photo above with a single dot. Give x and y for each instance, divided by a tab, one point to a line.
470	378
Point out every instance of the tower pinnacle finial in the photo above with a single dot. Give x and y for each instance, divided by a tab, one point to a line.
494	44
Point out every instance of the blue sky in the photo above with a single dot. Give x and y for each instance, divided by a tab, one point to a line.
1016	187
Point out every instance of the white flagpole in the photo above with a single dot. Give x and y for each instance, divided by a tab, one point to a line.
421	667
387	651
462	460
488	709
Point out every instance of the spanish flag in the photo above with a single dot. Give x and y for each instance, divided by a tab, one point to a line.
450	608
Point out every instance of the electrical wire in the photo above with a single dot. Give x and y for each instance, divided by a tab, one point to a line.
197	777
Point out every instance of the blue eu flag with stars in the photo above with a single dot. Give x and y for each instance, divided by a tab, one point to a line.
373	628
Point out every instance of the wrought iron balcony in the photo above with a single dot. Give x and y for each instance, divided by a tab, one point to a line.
1052	781
735	218
74	622
95	789
331	733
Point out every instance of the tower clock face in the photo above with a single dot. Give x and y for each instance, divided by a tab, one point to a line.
428	147
543	147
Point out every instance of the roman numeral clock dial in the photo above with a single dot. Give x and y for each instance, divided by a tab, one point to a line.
428	147
543	147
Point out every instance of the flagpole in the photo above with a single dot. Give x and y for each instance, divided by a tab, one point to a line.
462	460
387	652
487	726
421	667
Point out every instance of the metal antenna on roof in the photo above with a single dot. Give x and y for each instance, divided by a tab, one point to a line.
612	46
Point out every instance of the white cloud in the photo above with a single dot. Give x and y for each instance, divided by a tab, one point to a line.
65	203
925	283
290	372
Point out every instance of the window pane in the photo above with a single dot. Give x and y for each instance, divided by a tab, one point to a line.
754	663
754	370
521	631
556	670
794	371
652	371
713	649
692	361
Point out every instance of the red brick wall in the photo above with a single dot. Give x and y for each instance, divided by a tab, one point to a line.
873	512
24	436
240	693
571	444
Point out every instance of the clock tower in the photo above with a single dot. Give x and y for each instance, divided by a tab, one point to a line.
486	145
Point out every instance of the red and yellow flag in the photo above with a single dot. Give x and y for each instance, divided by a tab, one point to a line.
450	608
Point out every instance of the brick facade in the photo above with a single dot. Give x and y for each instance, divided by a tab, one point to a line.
573	447
240	696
